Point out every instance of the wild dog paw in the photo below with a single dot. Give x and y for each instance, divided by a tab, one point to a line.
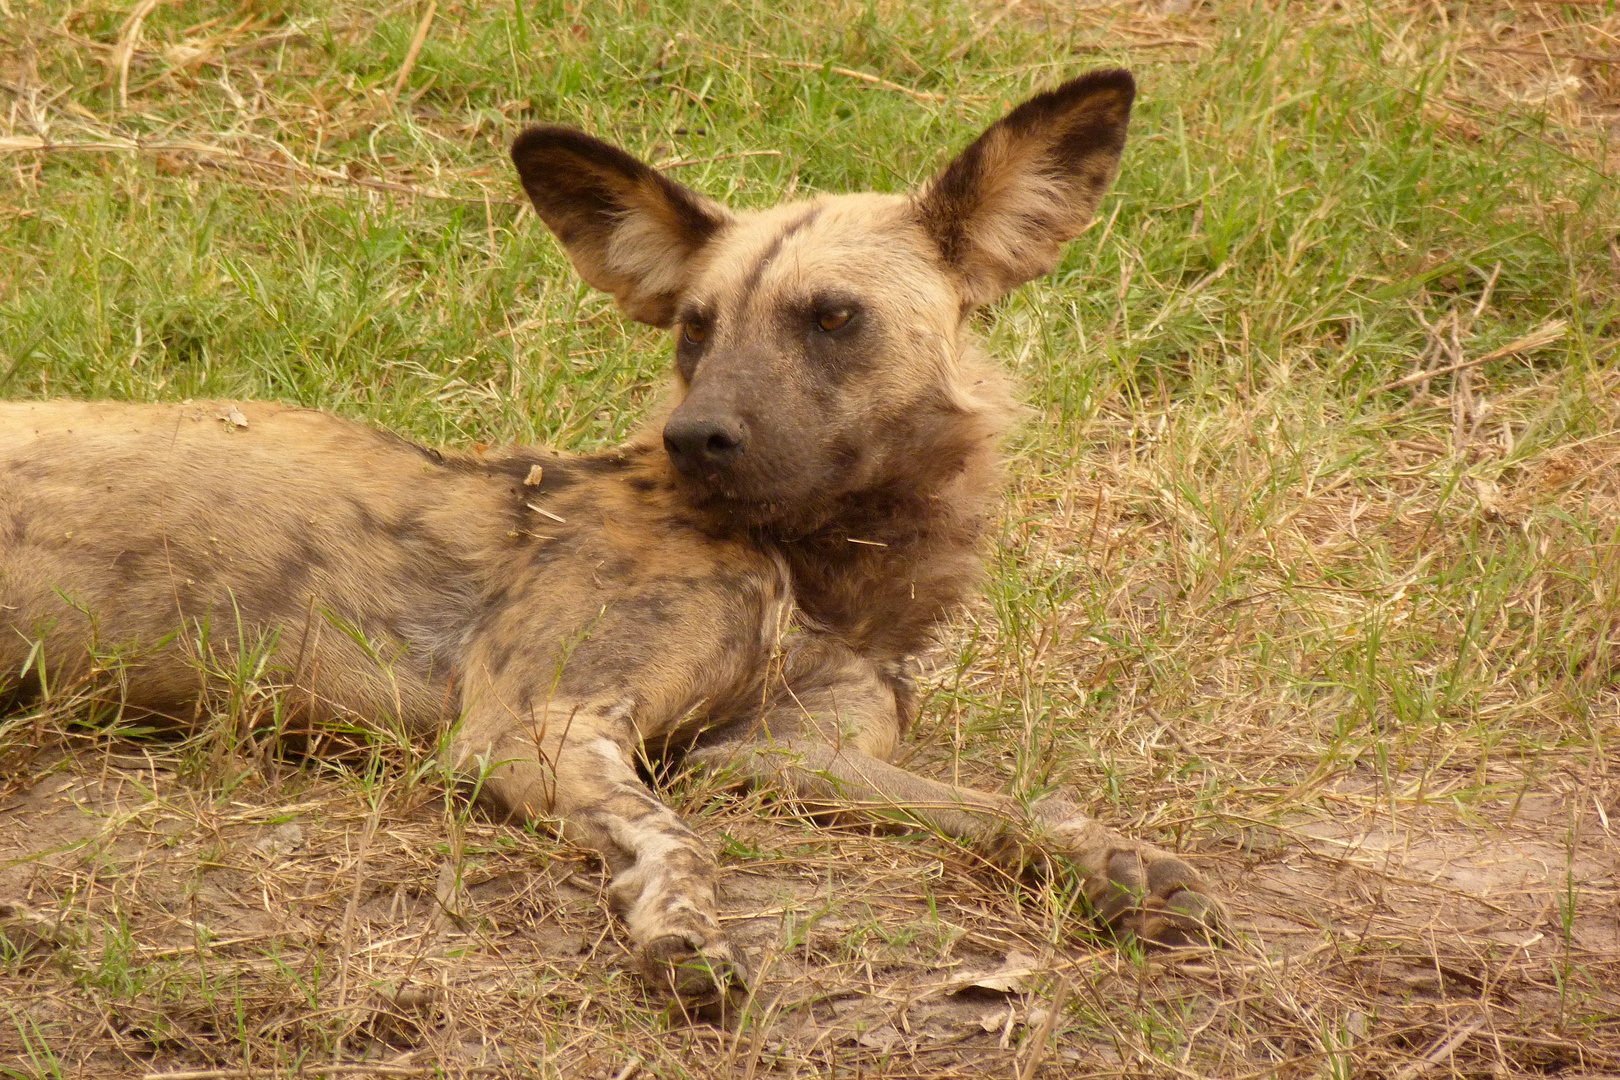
705	977
1155	897
1138	890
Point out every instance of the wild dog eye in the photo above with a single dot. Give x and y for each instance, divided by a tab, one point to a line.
836	319
694	333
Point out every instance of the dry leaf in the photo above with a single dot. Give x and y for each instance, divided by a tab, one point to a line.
234	417
282	839
1006	979
879	1038
996	1019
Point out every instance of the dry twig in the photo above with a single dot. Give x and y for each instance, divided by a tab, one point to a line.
127	40
12	144
1538	338
417	41
851	73
684	162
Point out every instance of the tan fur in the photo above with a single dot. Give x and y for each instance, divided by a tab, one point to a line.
745	581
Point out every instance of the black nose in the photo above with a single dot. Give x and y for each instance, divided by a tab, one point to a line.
703	444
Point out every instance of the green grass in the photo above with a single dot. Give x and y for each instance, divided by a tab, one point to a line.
1352	647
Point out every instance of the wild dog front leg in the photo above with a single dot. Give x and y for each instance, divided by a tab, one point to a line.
822	737
1136	888
574	763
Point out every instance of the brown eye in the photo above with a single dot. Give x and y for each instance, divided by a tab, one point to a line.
695	333
834	320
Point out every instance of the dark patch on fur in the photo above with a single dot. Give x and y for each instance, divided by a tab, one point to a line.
546	549
294	574
394	439
365	521
651	609
500	656
410	529
557	473
843	453
130	563
27	468
751	283
16	533
607	463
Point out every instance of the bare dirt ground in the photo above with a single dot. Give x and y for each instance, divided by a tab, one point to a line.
171	923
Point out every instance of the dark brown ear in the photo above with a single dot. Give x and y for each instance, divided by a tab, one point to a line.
1002	211
629	230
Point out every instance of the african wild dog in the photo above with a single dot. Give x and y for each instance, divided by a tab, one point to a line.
744	581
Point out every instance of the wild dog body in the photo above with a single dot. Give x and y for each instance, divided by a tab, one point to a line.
746	579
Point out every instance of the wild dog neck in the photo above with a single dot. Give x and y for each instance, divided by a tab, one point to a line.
891	565
882	565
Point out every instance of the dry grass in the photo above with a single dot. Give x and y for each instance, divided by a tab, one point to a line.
1345	636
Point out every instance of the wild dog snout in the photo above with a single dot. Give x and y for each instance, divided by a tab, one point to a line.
707	436
704	443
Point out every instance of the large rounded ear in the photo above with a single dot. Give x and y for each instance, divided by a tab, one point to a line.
627	228
1002	211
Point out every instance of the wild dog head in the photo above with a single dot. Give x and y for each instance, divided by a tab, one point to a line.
822	347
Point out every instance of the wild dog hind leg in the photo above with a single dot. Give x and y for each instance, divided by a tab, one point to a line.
827	735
